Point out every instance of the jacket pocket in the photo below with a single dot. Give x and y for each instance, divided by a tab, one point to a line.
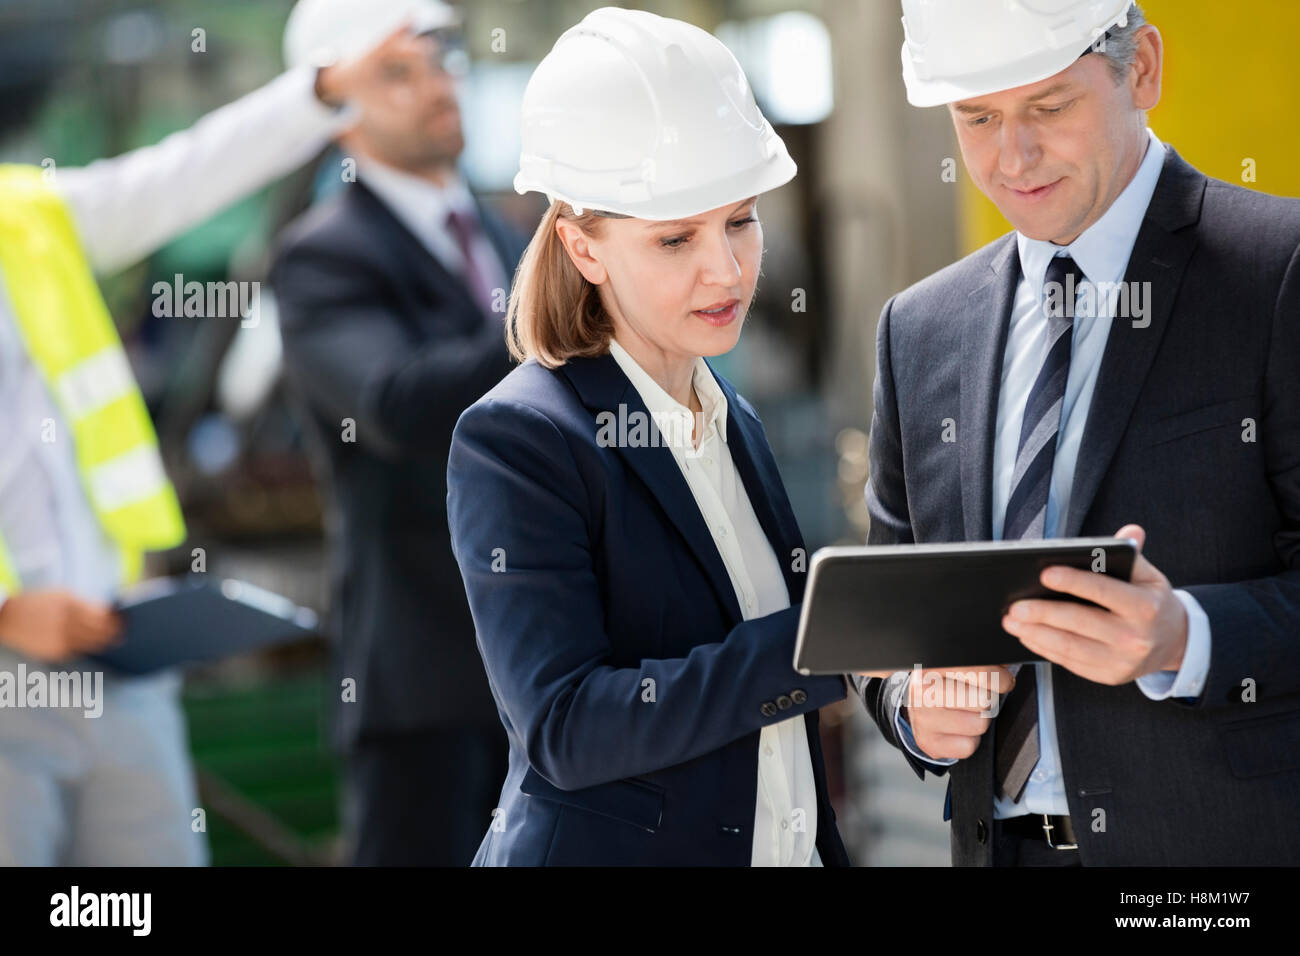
1216	415
632	801
1263	745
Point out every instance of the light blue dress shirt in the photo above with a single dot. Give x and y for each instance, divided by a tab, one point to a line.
1101	252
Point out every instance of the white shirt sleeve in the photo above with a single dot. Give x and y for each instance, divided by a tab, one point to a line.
1188	680
128	206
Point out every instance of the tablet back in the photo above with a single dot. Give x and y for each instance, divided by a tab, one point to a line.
896	606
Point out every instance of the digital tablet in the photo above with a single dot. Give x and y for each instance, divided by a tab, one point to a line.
169	622
891	607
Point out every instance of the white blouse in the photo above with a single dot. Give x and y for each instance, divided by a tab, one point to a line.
785	818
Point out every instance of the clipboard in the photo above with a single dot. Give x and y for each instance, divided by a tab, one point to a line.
891	607
170	622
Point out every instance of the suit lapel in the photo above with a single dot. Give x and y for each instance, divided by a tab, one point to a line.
418	263
983	341
603	387
1160	255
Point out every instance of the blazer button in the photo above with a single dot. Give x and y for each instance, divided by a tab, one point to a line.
981	832
768	709
784	702
798	696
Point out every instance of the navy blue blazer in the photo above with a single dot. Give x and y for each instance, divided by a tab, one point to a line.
630	687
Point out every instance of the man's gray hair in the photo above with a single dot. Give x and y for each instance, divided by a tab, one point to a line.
1119	44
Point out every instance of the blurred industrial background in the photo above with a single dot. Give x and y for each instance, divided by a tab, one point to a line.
870	212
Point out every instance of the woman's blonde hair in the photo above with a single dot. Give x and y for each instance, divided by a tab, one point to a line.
555	314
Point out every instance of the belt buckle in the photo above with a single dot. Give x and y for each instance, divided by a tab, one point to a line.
1047	834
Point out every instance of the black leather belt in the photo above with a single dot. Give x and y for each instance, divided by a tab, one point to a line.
1055	831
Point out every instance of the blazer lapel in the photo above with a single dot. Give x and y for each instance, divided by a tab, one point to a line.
1160	255
603	387
765	490
984	339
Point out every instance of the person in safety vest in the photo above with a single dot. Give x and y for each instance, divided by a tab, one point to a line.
105	778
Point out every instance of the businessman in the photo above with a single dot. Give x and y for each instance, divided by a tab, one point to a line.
392	300
1166	728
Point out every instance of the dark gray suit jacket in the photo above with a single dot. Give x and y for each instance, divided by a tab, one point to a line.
376	330
1212	781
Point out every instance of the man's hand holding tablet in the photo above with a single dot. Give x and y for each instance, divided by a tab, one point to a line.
1134	628
884	609
948	725
1139	628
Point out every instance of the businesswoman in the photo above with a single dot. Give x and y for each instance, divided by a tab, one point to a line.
628	549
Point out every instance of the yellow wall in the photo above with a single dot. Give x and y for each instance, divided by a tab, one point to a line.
1231	92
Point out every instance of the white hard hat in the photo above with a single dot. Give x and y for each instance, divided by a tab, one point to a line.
644	116
321	32
958	49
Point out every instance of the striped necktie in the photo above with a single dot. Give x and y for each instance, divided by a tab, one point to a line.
1015	737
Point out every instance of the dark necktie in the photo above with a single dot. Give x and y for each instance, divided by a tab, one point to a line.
1015	736
464	227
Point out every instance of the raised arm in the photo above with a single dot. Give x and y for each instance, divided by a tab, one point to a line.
130	205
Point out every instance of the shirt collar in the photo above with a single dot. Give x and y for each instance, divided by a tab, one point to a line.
659	402
1102	250
420	204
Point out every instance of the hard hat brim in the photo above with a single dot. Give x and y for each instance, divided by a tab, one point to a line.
1030	69
683	204
927	93
322	33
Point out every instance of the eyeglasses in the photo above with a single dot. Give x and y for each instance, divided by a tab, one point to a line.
447	57
450	55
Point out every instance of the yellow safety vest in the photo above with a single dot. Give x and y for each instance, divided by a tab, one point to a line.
71	339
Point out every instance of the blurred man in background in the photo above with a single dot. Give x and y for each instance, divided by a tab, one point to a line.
392	298
83	493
